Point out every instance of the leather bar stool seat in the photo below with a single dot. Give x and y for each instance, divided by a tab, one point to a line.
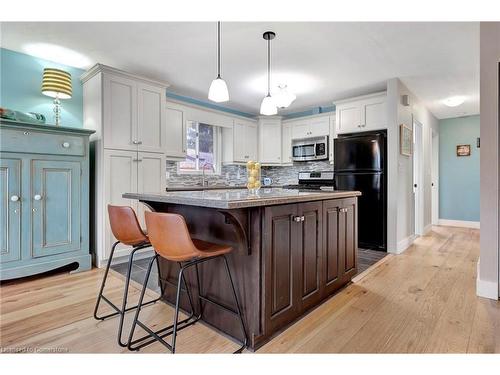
170	238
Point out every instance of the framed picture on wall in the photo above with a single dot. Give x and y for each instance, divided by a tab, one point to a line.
405	140
463	150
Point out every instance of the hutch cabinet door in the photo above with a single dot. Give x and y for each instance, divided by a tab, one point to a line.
120	113
10	209
310	253
56	206
280	252
151	126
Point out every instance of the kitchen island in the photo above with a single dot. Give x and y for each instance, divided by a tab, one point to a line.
292	249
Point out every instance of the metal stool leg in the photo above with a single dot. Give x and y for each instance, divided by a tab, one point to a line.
99	297
245	341
177	300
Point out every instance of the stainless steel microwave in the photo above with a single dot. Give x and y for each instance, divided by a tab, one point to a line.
310	149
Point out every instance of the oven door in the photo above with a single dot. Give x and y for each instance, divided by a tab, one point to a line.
304	151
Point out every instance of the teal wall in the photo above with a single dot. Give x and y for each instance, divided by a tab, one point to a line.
458	175
21	81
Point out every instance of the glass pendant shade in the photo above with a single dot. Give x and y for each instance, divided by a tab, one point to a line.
218	91
268	106
283	97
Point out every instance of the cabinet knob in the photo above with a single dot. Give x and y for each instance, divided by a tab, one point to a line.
297	219
137	142
302	218
65	144
37	197
137	160
26	133
14	198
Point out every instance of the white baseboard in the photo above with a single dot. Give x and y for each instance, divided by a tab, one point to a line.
486	289
459	223
405	243
427	229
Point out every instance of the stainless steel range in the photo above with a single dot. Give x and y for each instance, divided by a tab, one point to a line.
314	181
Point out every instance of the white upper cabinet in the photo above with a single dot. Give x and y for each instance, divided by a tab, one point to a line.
120	112
151	127
175	144
361	114
310	127
286	144
270	141
239	143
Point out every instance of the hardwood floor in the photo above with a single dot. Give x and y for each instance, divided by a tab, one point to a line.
422	301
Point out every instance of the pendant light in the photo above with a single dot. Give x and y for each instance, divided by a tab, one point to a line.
268	107
283	97
218	89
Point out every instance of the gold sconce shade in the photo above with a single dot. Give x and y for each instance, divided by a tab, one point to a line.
56	83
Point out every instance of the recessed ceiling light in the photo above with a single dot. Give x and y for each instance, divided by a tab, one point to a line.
57	54
454	101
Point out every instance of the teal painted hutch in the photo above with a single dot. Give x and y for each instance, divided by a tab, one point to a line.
44	198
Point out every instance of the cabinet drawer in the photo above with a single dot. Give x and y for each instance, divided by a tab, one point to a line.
35	142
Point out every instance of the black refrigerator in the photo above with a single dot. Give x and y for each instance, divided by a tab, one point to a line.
360	164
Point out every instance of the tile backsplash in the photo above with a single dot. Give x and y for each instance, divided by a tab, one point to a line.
236	174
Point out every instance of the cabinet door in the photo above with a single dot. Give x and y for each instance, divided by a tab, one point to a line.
331	269
310	253
270	142
374	113
151	178
240	142
348	117
10	209
300	130
281	252
251	141
151	126
286	144
120	173
120	113
347	239
319	126
56	206
176	133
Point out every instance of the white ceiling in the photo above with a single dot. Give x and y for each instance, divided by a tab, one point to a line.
320	62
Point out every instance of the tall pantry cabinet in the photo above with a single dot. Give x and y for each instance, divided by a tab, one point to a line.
127	113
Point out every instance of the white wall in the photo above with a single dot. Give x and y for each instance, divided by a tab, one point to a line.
400	213
488	269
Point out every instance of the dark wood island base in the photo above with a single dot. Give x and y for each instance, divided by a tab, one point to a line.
287	258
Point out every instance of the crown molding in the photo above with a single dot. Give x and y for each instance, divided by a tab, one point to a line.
101	68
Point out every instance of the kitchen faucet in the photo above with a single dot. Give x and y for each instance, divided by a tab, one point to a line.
203	180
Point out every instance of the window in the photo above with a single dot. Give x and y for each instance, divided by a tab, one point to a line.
202	149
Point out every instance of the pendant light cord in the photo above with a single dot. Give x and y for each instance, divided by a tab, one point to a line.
268	67
218	49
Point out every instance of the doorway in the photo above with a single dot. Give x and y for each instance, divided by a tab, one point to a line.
435	176
418	178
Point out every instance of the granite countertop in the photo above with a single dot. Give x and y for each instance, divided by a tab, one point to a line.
210	187
238	198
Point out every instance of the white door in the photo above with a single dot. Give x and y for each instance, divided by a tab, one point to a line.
120	113
175	143
270	142
151	126
151	178
373	114
301	130
251	141
435	177
286	144
418	178
348	117
120	174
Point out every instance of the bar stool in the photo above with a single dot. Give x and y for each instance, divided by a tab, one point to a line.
170	238
126	229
